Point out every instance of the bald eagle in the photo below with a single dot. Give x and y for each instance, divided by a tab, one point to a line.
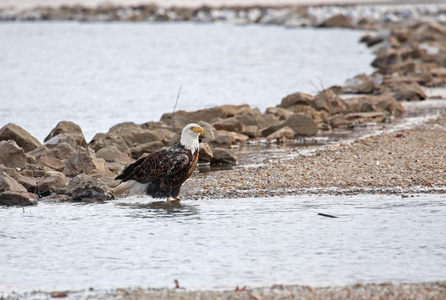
161	173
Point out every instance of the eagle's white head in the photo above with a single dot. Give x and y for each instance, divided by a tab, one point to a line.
189	137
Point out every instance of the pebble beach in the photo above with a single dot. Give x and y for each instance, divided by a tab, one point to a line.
405	161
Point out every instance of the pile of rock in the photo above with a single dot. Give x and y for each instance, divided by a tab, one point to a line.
408	55
66	165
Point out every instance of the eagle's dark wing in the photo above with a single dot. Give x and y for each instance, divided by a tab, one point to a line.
157	164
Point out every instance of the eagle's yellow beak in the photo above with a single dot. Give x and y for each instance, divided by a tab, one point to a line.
198	129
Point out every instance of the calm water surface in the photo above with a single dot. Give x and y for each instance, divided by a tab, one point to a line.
213	244
101	74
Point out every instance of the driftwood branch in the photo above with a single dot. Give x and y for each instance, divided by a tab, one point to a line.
174	108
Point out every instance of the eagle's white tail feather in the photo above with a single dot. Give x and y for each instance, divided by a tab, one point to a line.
130	187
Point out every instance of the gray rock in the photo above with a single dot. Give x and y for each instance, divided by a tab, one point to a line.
86	188
66	131
20	136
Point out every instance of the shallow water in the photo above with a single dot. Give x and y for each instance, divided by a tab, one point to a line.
216	244
101	74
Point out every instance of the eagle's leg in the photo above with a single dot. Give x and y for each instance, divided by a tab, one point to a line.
169	199
176	193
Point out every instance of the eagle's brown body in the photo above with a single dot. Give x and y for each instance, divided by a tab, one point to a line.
163	172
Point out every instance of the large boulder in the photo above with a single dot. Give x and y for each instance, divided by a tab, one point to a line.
338	20
296	99
329	101
223	156
61	151
205	153
182	118
12	155
360	84
229	124
112	154
283	134
142	149
20	136
135	135
299	123
86	188
403	91
101	140
66	131
85	161
50	162
24	178
279	112
7	183
11	198
53	182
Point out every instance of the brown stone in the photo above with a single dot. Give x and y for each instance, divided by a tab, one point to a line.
53	182
283	134
205	153
296	99
279	112
85	161
223	156
360	84
66	131
299	123
10	198
7	183
50	162
112	154
20	136
12	155
86	188
229	124
338	20
181	118
101	140
251	131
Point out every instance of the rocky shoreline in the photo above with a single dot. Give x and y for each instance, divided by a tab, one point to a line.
387	290
410	56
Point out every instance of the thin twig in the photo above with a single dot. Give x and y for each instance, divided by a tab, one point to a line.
174	108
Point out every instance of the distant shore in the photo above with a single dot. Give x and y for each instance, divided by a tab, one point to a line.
21	4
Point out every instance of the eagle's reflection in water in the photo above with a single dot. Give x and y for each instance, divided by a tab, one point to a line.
151	209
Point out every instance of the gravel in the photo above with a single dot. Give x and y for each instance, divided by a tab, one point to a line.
405	161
